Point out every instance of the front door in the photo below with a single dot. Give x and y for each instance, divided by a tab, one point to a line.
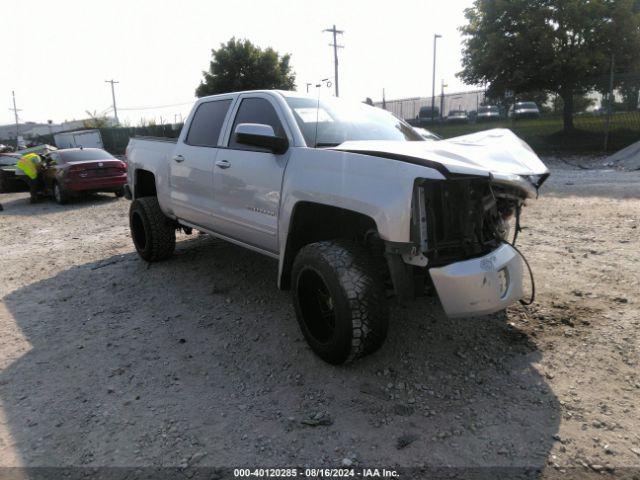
247	180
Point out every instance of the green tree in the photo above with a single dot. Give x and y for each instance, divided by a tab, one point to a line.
580	103
628	86
559	46
240	65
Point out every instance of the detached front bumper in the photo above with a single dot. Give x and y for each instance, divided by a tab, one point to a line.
480	286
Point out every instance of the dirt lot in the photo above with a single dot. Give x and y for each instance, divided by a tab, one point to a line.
198	361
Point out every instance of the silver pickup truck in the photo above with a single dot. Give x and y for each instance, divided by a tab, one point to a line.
353	203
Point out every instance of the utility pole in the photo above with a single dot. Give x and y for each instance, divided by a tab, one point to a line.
15	113
113	96
335	53
433	79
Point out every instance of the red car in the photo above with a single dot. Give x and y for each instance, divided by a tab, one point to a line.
81	170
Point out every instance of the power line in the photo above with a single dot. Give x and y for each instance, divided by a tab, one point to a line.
113	96
335	53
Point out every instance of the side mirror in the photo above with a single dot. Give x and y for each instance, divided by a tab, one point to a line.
260	135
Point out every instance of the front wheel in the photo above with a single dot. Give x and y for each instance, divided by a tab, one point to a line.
339	300
153	233
60	196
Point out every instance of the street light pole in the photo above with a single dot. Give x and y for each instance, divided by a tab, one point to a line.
433	80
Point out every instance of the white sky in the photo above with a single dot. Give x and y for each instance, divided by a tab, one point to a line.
57	55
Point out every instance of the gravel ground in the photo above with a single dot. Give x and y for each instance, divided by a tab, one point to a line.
198	361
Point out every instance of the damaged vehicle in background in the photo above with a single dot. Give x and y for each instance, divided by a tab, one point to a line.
352	202
70	172
10	181
11	178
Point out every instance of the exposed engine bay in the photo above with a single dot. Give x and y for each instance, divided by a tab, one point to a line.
460	218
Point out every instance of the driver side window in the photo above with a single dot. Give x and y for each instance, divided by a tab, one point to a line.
255	110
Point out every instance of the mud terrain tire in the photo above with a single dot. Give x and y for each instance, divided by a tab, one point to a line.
153	234
340	300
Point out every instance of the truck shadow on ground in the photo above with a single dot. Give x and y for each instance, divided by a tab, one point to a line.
199	361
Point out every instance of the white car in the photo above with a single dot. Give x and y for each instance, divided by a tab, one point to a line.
488	113
524	110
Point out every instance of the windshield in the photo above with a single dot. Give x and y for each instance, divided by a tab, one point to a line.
330	122
527	105
86	154
488	109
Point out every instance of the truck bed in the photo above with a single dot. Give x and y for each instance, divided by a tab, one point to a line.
150	151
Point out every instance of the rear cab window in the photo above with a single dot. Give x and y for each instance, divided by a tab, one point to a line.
207	122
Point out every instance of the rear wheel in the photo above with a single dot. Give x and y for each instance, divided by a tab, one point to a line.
153	233
340	300
59	194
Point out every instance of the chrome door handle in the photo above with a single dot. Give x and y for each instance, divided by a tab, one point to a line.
223	163
178	158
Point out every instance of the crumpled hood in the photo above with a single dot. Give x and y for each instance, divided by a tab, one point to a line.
497	151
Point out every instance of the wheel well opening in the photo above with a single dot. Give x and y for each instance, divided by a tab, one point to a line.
312	222
145	185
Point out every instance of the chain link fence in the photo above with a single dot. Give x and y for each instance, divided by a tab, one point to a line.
603	120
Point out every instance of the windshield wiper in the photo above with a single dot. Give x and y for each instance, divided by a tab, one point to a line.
327	144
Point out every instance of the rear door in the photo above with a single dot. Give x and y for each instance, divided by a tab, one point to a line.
247	180
191	167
